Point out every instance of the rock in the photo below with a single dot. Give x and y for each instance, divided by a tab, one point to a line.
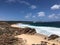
53	44
6	28
29	30
7	39
18	31
52	37
4	25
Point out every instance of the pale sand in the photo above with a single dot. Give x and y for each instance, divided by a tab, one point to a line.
14	25
36	39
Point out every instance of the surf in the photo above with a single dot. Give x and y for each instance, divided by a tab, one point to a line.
42	29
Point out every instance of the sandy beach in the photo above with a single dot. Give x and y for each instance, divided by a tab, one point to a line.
36	39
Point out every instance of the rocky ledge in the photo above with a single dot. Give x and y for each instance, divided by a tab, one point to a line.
6	28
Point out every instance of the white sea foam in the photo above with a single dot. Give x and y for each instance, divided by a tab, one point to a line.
42	29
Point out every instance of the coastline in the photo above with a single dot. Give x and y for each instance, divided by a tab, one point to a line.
40	29
36	38
25	35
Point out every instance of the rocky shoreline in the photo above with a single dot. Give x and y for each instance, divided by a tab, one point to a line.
8	33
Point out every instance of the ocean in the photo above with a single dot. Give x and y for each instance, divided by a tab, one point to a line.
42	28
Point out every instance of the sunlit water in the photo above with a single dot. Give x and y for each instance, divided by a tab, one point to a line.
42	29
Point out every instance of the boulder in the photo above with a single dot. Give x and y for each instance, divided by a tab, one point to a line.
52	37
28	30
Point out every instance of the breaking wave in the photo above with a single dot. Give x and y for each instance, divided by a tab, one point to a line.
42	29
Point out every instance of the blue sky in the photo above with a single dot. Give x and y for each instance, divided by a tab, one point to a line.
30	10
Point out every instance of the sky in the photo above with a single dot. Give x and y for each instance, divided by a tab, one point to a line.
29	10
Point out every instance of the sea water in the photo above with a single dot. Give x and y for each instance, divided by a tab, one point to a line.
42	29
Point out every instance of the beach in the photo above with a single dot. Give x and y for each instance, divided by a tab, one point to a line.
36	39
24	34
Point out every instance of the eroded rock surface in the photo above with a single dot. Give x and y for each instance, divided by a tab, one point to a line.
6	28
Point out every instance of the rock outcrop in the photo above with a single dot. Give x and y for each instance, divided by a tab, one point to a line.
19	31
6	28
28	30
52	37
7	39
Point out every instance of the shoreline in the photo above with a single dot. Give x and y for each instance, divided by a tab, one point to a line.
40	29
25	36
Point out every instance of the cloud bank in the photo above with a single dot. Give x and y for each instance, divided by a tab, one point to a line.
54	16
54	7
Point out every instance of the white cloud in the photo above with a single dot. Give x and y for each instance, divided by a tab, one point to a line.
33	7
27	3
53	16
54	7
28	15
22	2
41	14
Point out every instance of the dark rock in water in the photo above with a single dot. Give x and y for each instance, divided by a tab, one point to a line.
52	37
